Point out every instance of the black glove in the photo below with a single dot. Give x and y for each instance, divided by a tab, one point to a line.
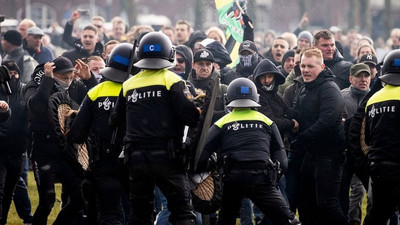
212	162
247	22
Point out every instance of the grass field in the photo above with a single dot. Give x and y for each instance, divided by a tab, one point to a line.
13	218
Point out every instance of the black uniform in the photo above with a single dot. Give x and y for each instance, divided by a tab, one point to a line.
157	108
247	142
93	116
381	135
49	162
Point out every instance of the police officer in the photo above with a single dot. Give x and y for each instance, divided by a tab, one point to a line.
93	116
157	105
251	150
381	135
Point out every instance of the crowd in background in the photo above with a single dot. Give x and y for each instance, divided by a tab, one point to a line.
273	61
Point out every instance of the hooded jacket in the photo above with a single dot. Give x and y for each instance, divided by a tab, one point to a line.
320	108
187	54
339	68
197	35
221	55
14	132
272	103
25	62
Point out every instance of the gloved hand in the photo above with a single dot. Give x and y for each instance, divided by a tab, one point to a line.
212	162
247	22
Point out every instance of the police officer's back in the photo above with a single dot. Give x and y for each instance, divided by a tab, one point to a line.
250	150
156	107
106	142
382	122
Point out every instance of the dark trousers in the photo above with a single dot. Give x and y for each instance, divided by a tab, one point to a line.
256	185
292	175
320	182
148	167
10	172
48	171
21	198
385	192
108	188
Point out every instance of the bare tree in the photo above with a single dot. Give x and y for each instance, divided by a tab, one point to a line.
388	18
130	7
365	16
199	15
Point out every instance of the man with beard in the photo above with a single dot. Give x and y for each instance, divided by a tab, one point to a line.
86	46
325	41
13	142
248	60
278	49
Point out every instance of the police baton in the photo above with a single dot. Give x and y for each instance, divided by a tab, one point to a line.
131	59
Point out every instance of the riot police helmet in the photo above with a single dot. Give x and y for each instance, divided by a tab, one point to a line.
391	68
242	93
155	52
118	63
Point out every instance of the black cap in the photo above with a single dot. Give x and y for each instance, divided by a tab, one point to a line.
13	37
249	46
63	65
369	59
203	54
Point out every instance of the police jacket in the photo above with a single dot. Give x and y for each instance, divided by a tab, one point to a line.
94	114
14	132
37	96
320	108
157	106
339	68
382	125
244	135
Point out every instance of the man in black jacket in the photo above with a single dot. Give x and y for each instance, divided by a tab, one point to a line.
86	46
325	41
321	136
49	161
14	142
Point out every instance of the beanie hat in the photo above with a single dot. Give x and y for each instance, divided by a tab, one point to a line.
11	65
307	35
289	53
13	37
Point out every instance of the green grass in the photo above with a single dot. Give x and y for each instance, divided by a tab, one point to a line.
13	218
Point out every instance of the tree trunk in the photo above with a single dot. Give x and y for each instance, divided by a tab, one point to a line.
365	16
388	18
199	15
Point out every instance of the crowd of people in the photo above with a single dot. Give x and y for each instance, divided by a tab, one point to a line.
302	123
